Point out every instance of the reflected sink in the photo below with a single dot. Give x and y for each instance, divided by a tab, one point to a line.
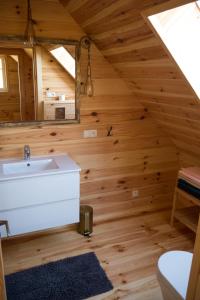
29	166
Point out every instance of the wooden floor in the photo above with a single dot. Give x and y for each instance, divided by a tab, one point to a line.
128	250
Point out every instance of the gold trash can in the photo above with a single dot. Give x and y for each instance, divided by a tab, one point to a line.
85	226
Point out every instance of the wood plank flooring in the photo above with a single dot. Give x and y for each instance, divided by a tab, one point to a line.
128	250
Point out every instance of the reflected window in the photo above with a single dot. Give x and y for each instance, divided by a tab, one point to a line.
65	59
3	77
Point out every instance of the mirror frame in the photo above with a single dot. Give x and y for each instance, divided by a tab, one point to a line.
20	42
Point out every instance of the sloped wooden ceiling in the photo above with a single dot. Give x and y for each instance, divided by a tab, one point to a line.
120	32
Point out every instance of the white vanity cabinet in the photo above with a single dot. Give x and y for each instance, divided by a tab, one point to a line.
40	198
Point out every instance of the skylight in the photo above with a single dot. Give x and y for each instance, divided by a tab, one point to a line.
65	59
179	28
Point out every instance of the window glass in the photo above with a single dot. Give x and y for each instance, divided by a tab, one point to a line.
3	83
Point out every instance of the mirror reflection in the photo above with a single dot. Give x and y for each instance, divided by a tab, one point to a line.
16	85
38	84
58	82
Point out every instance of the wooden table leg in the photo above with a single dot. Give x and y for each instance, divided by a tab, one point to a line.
173	208
2	279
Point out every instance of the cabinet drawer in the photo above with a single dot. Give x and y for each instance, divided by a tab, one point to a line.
40	217
39	190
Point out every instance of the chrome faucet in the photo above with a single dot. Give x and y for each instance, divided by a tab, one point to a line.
27	152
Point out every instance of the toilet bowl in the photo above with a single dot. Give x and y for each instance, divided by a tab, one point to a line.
173	274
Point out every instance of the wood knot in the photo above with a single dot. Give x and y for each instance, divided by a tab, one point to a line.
121	181
53	133
120	40
119	248
94	114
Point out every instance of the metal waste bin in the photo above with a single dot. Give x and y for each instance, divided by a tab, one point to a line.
86	220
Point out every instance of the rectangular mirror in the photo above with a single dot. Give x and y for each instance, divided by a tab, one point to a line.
39	84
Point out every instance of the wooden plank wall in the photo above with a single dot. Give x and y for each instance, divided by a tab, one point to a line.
120	32
10	100
136	154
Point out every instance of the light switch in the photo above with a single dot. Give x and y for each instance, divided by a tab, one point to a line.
90	133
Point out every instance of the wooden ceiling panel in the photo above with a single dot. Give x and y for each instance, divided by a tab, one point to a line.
138	55
170	86
117	39
126	40
92	7
137	71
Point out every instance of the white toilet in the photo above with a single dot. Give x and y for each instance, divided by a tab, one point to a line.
173	274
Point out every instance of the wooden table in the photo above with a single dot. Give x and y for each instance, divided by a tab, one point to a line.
187	215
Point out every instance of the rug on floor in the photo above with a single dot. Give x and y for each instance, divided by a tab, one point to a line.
73	278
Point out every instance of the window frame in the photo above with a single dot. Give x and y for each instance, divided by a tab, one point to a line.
5	75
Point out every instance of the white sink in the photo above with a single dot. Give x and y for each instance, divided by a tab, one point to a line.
36	166
30	166
38	194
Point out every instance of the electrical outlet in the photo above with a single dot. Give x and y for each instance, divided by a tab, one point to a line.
90	133
50	94
135	193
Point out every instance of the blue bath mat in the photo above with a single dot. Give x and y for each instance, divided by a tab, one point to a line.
73	278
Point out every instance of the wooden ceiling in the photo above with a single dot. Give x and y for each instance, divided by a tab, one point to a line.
119	30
